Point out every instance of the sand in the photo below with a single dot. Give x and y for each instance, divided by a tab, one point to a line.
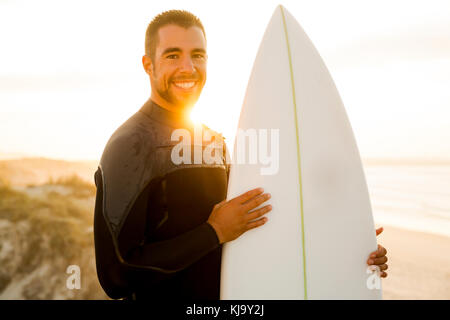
419	264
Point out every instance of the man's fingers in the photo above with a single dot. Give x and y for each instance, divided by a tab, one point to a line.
383	267
248	195
377	261
257	223
379	230
381	252
256	201
258	213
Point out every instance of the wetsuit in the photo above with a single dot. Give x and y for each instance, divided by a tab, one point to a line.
151	235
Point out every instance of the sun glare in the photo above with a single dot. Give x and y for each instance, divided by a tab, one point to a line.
195	115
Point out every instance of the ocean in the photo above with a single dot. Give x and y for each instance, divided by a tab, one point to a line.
414	197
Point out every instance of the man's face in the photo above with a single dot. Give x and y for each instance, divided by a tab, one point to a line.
179	70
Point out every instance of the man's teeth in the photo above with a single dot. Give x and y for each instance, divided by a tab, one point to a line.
185	85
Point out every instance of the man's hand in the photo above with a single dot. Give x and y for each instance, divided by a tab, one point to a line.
232	218
379	257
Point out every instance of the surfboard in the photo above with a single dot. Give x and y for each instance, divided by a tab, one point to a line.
320	231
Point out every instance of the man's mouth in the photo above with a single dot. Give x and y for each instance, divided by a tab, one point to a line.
184	84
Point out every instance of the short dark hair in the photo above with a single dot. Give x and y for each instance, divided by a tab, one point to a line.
180	18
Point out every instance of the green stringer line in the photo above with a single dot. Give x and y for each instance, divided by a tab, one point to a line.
298	151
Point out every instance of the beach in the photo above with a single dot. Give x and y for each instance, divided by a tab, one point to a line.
419	264
412	203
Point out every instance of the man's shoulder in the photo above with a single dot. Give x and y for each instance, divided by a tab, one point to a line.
129	140
126	166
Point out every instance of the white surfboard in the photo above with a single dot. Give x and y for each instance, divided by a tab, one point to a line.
321	231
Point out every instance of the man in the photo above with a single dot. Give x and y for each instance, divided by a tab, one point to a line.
159	226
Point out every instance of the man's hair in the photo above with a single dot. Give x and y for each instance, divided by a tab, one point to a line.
180	18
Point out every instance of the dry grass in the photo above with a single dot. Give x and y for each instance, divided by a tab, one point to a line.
47	234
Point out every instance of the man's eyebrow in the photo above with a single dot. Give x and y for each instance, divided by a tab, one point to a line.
199	50
170	50
175	49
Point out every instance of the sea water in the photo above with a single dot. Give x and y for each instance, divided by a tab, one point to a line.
415	197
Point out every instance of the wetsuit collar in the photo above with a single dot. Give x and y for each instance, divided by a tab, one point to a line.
160	114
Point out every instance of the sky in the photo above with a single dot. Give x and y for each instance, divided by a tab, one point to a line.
71	72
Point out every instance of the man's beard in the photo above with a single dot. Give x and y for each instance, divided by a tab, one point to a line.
173	100
188	102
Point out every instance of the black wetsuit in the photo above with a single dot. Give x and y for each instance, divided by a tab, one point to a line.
165	227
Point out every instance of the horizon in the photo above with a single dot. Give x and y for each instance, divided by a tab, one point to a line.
5	156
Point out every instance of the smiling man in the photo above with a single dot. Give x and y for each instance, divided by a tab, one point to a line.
159	226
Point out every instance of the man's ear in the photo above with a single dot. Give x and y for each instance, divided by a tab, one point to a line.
147	64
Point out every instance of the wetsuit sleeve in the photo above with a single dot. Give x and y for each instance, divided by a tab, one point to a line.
172	254
110	270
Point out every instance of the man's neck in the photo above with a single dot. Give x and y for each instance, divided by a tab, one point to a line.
157	112
182	111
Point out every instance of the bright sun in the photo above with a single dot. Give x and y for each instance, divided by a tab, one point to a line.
196	116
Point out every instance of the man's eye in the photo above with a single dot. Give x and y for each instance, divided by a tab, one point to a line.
199	56
172	56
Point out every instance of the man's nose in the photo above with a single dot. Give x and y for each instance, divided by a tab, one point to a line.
187	65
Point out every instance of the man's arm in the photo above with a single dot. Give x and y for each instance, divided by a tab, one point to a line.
171	255
227	221
174	254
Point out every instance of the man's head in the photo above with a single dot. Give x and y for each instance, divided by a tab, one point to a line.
175	59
